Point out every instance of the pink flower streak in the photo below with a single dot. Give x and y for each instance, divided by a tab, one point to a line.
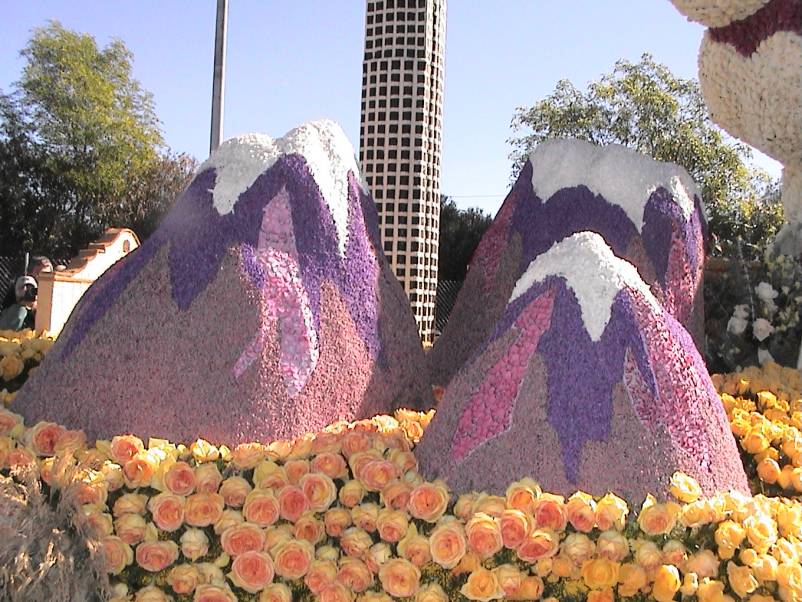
489	411
284	300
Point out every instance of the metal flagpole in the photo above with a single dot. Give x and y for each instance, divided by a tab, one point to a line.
218	81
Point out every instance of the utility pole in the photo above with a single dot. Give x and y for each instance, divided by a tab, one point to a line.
218	81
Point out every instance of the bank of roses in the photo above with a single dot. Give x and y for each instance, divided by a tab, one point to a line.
20	353
344	515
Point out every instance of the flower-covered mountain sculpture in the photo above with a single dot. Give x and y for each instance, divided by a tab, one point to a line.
586	382
648	212
261	308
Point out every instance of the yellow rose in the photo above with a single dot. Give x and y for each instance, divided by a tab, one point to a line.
510	578
690	583
11	366
203	451
761	531
666	583
631	579
657	519
789	519
741	579
710	590
754	442
765	567
684	488
768	470
729	536
696	514
600	573
482	585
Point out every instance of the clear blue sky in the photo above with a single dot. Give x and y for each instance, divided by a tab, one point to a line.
290	62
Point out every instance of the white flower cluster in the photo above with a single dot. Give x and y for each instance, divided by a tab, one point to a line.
718	13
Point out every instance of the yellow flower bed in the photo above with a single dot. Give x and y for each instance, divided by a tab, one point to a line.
20	353
345	515
764	406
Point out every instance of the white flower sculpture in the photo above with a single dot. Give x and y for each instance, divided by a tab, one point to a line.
750	71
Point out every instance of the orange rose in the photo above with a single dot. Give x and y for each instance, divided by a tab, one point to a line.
515	525
482	585
336	521
241	538
155	556
167	510
116	554
276	592
392	524
354	574
180	479
213	593
234	490
194	544
207	478
351	493
400	578
292	503
293	558
42	438
447	543
657	519
581	512
319	489
130	503
428	501
183	578
355	542
139	470
247	455
203	509
484	535
309	528
252	571
601	595
611	513
521	495
549	512
320	574
296	469
261	507
666	583
377	474
125	447
330	464
414	547
539	544
600	573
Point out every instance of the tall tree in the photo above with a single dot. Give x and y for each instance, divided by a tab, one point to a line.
460	233
88	137
646	107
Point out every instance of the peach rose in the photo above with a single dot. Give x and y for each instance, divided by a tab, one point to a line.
447	543
482	585
90	488
431	592
70	442
320	574
336	521
463	507
515	525
151	593
611	513
167	510
261	507
365	516
400	578
125	447
139	470
247	455
252	571
647	554
612	545
207	478
377	474
578	547
309	528
351	493
213	593
704	563
494	505
657	519
130	528
130	503
155	556
521	495
428	501
356	441
509	577
354	574
276	592
269	475
113	475
326	443
581	512
293	558
330	464
11	424
296	469
600	573
180	479
116	554
20	456
414	547
666	583
241	538
355	541
601	595
631	579
404	460
292	502
319	489
234	489
194	544
211	574
396	495
203	509
43	436
392	524
549	512
229	518
540	543
376	556
183	578
484	535
674	552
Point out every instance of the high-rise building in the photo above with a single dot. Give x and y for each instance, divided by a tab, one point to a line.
400	136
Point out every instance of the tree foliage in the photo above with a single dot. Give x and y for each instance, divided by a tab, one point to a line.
81	147
460	233
645	107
